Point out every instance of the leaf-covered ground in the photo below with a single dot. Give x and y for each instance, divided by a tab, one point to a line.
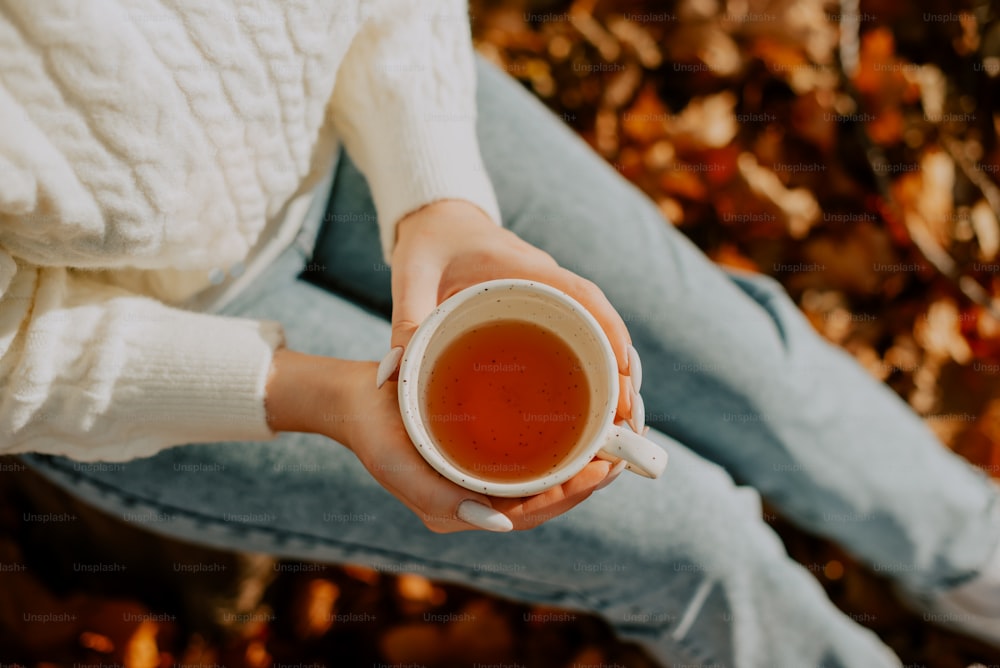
856	165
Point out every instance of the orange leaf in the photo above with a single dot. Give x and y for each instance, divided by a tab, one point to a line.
646	120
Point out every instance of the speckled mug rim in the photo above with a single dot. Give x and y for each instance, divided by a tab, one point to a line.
409	396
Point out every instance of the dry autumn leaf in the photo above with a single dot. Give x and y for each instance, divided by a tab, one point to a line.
940	334
646	120
797	206
987	229
707	122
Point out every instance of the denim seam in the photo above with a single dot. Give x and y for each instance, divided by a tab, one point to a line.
693	609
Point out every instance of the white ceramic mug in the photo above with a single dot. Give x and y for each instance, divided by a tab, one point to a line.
517	299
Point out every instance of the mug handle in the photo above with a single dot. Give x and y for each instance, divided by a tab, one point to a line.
643	456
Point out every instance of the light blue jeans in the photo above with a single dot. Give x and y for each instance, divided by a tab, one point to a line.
684	564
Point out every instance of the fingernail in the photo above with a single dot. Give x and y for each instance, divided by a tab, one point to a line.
483	517
638	419
634	367
388	366
613	474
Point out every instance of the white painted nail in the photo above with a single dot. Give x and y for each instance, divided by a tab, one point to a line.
613	474
483	517
638	419
634	367
388	366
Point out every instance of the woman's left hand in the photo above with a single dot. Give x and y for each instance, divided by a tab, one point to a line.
449	245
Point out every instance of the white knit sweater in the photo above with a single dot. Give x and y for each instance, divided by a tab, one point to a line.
144	143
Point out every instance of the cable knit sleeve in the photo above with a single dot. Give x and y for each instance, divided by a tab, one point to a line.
405	108
95	373
121	149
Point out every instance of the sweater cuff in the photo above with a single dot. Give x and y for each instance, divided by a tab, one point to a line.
431	155
200	380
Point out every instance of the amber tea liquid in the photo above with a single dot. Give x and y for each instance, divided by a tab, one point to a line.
507	401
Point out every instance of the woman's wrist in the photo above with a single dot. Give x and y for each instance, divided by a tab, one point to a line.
441	212
309	393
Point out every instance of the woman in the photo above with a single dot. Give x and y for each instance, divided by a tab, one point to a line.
161	283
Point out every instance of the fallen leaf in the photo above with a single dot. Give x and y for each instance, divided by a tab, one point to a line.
639	39
798	207
646	120
987	228
315	608
414	644
480	634
704	49
814	118
939	332
622	86
706	122
683	181
141	649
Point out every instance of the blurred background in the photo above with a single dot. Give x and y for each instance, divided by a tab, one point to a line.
849	150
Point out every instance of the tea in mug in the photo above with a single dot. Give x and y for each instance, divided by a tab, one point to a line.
507	400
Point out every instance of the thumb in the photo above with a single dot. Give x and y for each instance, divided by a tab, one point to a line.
414	296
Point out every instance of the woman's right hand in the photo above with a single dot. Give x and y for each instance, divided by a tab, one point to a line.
339	399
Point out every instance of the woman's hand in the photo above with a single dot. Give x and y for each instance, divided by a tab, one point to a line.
338	398
450	245
440	250
374	431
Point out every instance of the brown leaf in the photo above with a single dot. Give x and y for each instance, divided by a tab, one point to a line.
198	654
364	574
658	156
706	122
630	163
858	264
480	634
96	642
141	649
886	127
646	120
681	180
704	48
590	656
639	39
413	587
256	655
797	206
780	58
878	55
414	643
315	608
800	23
606	132
814	119
939	332
607	44
671	209
622	86
987	228
926	198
